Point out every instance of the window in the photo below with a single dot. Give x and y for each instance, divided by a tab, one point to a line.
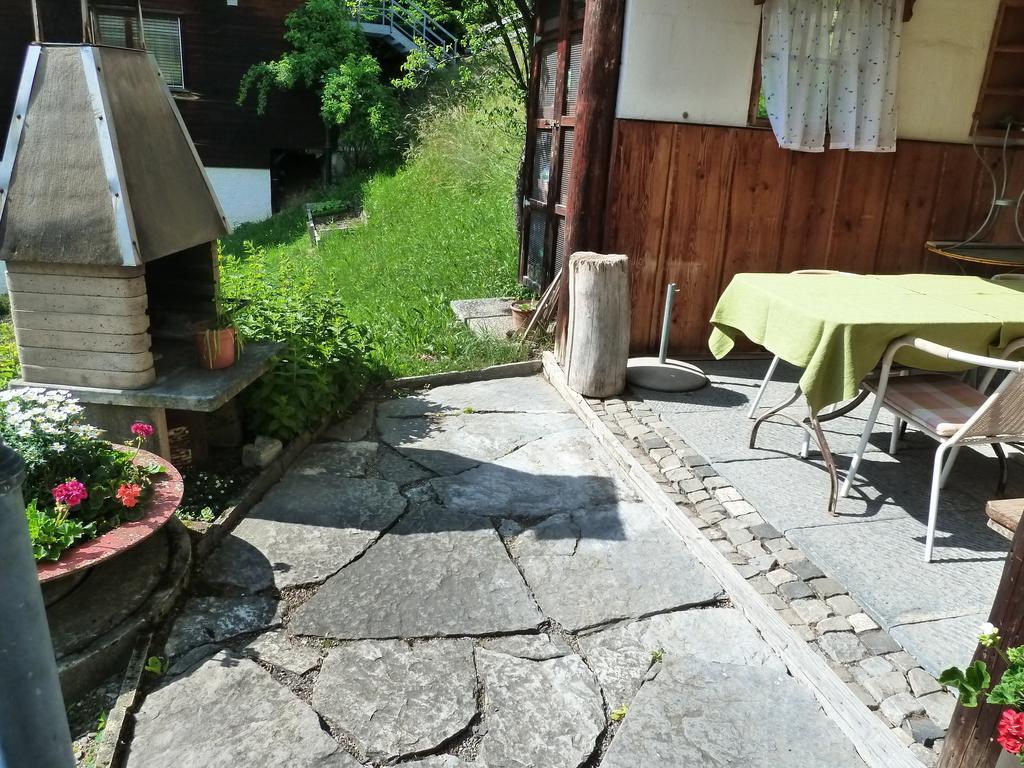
163	39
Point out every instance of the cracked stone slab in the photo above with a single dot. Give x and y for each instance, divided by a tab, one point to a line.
354	426
279	650
393	700
560	472
343	459
305	529
538	713
444	761
527	394
622	656
710	714
609	563
393	466
206	620
535	647
256	722
454	443
435	574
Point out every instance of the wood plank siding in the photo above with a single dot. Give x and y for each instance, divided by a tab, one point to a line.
219	43
696	204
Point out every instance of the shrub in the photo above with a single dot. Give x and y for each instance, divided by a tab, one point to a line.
76	485
9	368
323	366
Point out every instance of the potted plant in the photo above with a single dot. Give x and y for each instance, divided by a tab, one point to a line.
77	486
975	683
522	313
219	345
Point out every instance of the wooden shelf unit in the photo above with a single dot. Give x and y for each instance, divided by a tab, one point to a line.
1002	90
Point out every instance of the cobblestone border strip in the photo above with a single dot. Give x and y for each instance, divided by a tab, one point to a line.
886	678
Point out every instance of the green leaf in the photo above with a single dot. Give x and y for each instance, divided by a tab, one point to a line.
618	714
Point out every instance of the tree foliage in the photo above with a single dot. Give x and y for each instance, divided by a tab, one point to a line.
328	53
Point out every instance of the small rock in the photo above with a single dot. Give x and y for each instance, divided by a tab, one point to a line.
879	642
925	755
844	605
765	531
751	549
924	730
865	698
740	509
862	622
899	707
762	585
811	610
805	569
738	536
903	661
750	519
875	666
787	556
776	545
884	686
791	617
833	624
261	452
939	707
780	576
921	683
843	647
775	602
727	493
763	563
652	441
826	588
795	590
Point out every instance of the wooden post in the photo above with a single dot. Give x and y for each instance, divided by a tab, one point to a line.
596	99
970	742
597	337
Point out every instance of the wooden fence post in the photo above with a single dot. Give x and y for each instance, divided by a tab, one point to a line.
597	337
970	742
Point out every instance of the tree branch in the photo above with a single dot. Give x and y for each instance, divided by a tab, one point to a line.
509	45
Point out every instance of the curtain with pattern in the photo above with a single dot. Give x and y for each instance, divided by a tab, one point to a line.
830	67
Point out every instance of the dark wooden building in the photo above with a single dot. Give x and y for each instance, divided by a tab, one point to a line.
645	140
203	48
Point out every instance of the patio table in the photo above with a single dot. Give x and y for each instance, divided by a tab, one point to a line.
836	327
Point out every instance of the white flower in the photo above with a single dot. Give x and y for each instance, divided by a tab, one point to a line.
58	447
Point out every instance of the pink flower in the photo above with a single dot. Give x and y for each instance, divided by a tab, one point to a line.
1011	731
71	493
128	494
142	429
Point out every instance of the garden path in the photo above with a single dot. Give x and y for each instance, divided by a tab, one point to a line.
456	579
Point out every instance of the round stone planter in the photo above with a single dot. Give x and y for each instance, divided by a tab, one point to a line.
167	493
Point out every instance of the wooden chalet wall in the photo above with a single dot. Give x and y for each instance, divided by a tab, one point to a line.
696	204
219	43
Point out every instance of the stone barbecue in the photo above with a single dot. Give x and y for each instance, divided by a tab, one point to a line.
109	228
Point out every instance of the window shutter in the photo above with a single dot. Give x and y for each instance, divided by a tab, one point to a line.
163	40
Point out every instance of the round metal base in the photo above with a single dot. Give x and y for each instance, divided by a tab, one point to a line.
670	376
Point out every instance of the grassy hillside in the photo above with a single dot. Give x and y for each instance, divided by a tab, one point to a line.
440	227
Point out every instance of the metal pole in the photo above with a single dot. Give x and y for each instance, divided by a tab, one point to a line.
33	724
666	321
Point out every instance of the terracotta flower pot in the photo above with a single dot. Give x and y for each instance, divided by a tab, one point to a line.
217	348
522	311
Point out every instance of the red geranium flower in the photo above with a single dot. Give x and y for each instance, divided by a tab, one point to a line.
142	429
128	494
71	493
1011	731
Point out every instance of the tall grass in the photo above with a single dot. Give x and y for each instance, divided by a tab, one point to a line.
440	227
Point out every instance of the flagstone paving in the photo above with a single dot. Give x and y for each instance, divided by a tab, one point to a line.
459	579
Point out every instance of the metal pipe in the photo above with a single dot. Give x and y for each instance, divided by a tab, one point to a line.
666	322
33	724
37	26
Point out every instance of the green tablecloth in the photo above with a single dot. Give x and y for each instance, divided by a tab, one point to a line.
836	327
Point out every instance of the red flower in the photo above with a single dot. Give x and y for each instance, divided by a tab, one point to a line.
71	493
128	494
142	429
1011	731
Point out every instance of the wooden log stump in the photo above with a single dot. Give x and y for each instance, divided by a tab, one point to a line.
971	742
597	337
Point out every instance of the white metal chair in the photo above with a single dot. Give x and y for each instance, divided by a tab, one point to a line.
1008	277
949	410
